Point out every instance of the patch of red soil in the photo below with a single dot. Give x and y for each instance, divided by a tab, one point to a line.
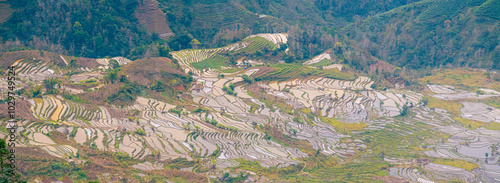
100	96
148	70
8	58
179	87
152	17
86	62
391	179
381	66
262	71
23	110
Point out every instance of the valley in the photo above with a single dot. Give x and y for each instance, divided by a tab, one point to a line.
288	119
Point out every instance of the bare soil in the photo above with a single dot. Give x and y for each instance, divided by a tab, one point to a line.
23	110
153	18
8	58
148	70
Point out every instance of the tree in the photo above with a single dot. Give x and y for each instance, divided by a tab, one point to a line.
111	76
194	43
179	42
37	91
114	64
247	79
338	48
50	84
164	51
7	174
404	111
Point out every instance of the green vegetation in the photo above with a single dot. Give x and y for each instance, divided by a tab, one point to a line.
215	62
111	76
127	94
95	28
452	107
492	101
447	8
179	163
468	79
489	8
229	90
140	131
422	20
456	163
51	85
322	63
73	97
343	127
257	44
8	174
247	79
231	70
473	124
288	71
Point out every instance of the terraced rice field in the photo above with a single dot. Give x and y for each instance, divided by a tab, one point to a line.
257	43
322	59
277	39
34	71
282	118
186	57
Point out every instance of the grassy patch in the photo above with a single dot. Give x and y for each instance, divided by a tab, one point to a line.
491	101
289	71
214	63
3	129
258	43
343	127
231	70
323	62
453	107
179	163
489	8
469	79
473	124
456	163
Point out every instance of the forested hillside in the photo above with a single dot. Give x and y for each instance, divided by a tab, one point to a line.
413	34
432	34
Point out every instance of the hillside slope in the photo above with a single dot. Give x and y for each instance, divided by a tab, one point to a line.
431	34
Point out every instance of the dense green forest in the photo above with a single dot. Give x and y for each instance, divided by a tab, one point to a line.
83	28
432	34
416	34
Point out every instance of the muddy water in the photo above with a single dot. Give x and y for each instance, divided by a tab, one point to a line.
55	115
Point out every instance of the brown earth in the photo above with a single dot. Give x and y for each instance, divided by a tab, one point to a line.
381	66
22	110
61	139
153	19
117	113
391	179
8	58
5	11
83	62
148	70
262	71
34	159
86	62
188	176
100	96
